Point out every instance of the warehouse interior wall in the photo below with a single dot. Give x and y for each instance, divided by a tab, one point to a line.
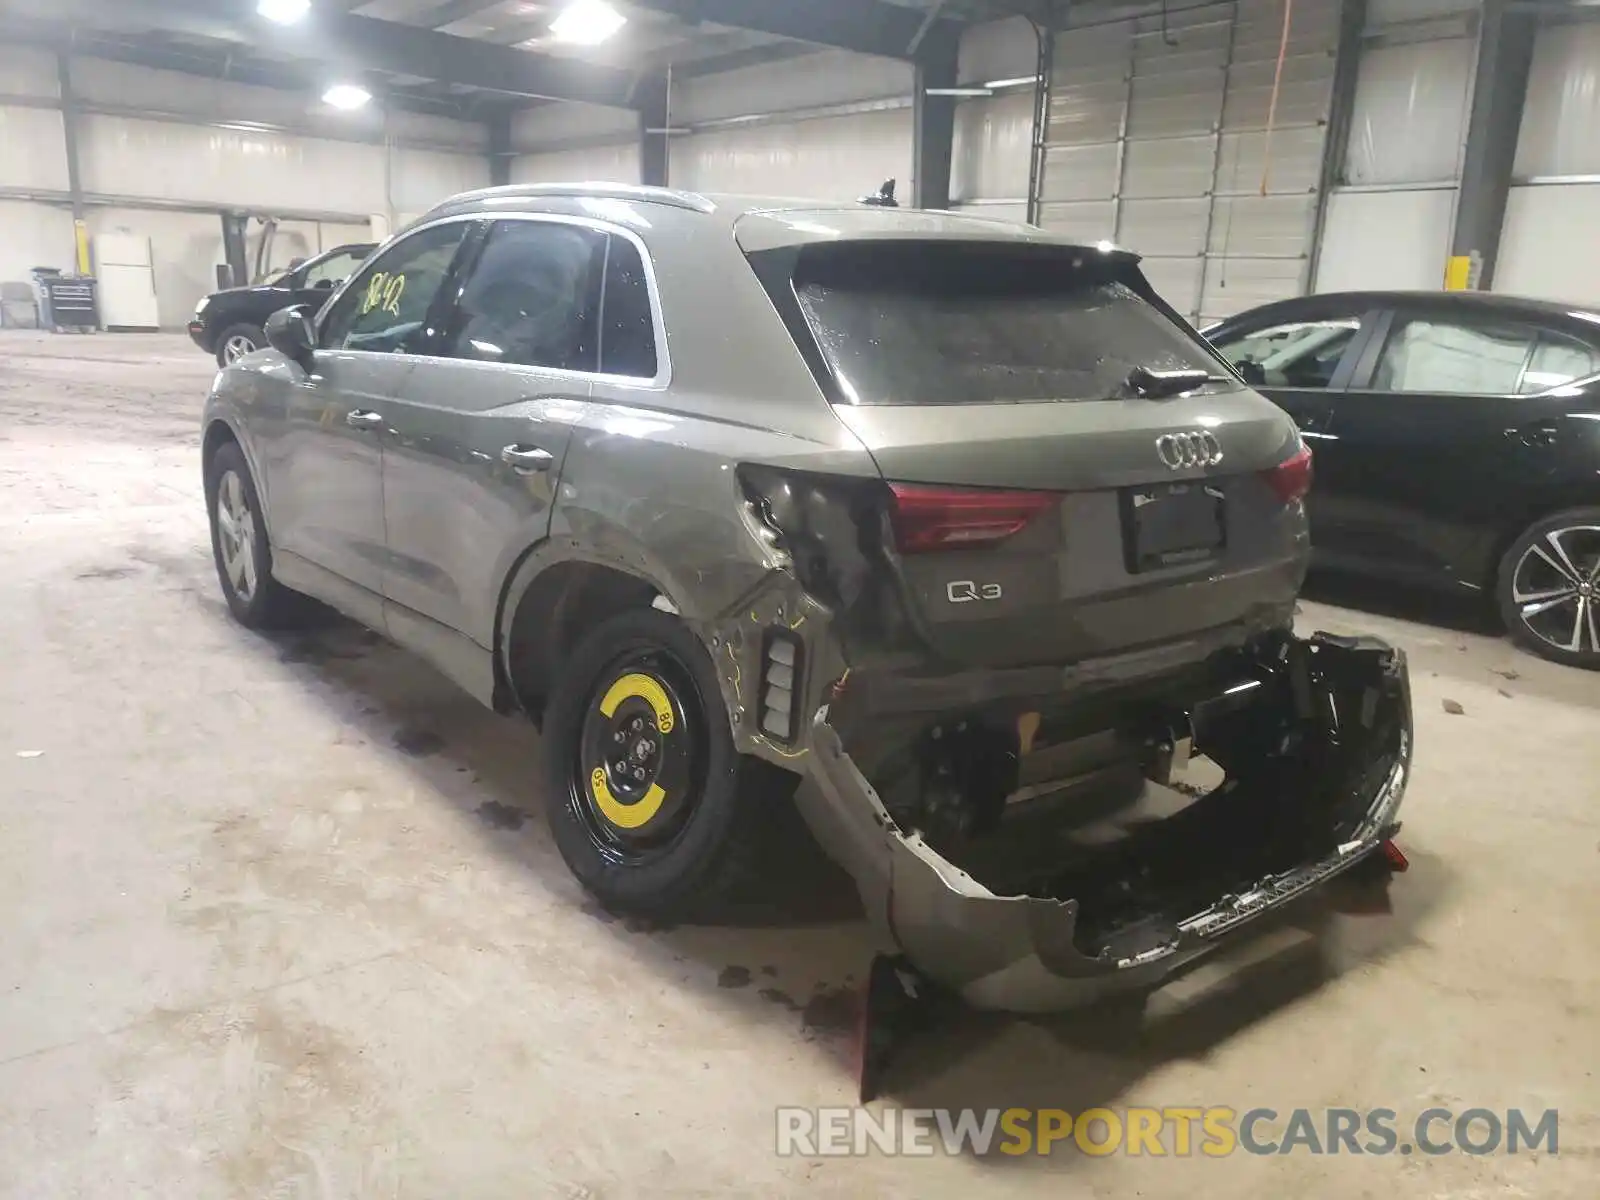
828	124
162	154
558	142
1155	138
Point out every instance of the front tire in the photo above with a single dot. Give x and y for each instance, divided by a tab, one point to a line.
238	340
646	792
239	544
1548	588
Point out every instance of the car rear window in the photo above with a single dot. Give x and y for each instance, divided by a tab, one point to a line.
980	323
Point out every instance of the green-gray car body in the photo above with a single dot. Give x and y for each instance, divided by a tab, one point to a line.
962	520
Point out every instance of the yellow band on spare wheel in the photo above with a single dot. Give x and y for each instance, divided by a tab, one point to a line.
624	816
632	816
644	688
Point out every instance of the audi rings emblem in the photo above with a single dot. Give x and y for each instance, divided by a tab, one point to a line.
1196	448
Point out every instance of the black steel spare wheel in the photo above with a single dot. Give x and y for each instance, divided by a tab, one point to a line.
642	759
644	791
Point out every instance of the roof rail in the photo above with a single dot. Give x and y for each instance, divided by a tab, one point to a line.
692	201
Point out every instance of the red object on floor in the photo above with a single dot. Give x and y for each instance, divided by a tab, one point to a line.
1395	857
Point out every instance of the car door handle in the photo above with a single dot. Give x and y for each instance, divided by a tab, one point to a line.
527	460
1542	434
364	418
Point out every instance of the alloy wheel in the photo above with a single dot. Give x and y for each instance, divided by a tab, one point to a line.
236	535
1556	589
237	346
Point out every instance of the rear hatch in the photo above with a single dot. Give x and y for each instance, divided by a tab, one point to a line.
1071	471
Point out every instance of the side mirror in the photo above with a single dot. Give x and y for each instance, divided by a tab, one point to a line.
322	285
289	332
1251	372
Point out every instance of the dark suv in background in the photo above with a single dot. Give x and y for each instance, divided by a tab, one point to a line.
229	323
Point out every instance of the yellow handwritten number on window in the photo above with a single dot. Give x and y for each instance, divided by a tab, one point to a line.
383	292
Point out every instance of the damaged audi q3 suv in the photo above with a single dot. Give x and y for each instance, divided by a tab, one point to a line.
955	523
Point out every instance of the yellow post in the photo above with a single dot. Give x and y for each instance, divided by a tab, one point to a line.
1458	273
80	237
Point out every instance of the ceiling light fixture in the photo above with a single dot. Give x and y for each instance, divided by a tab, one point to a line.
587	23
1019	81
959	91
346	96
283	12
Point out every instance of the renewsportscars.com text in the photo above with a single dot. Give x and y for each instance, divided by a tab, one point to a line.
1210	1132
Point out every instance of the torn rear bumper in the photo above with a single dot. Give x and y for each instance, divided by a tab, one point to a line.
1024	952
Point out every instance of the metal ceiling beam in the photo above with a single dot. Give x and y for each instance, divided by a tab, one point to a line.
351	43
455	10
865	26
184	60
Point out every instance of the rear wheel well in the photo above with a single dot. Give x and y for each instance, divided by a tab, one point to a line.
562	605
218	435
1529	517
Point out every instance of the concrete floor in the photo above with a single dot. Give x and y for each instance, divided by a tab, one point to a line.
272	922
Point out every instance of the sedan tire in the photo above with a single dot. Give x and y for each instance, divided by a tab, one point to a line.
648	799
239	545
1548	588
238	340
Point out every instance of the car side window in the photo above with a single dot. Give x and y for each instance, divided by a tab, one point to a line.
331	272
533	299
385	308
628	329
1557	360
1295	354
1455	356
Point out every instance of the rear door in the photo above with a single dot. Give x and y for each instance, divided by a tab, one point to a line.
1443	437
1051	500
481	426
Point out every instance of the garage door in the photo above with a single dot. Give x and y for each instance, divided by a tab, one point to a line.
1548	246
1158	141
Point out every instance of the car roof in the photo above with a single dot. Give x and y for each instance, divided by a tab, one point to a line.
1497	303
762	222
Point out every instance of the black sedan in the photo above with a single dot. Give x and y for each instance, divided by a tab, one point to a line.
1457	443
229	323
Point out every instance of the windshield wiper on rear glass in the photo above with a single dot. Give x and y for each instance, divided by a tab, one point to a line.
1162	385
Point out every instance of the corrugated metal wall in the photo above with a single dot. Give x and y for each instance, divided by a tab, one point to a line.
1158	140
1549	245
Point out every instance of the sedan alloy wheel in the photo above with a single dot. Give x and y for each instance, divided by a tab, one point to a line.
1555	589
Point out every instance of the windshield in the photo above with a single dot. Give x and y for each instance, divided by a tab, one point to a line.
984	323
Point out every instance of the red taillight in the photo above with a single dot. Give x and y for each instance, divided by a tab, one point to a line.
937	518
1291	479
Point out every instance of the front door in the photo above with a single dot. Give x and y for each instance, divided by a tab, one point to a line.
325	471
482	426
